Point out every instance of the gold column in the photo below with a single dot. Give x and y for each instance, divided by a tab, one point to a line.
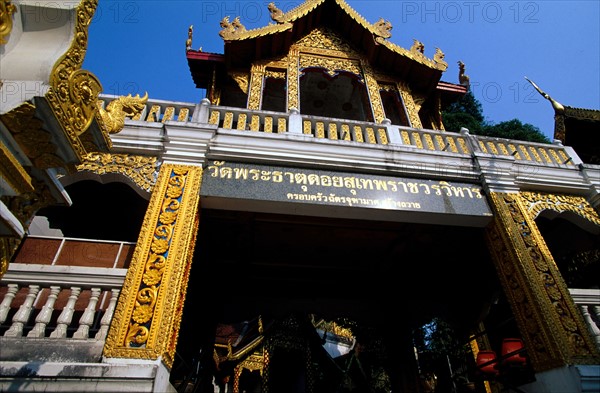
146	321
373	90
257	77
293	63
411	106
550	323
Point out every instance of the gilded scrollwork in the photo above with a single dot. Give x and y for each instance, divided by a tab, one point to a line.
411	107
7	9
146	321
112	118
257	74
373	90
551	324
537	202
327	42
73	92
293	93
33	139
141	170
242	80
331	65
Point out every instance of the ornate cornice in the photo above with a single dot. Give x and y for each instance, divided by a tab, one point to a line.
33	139
141	170
13	172
73	92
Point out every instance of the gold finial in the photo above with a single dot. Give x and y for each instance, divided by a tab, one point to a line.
188	42
463	78
558	107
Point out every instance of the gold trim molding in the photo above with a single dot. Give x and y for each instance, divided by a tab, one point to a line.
13	172
141	170
7	9
146	321
552	326
73	92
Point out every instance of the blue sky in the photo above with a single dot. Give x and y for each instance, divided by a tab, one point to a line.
139	46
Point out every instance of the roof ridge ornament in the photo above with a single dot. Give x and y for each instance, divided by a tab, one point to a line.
558	107
463	78
276	13
231	29
382	29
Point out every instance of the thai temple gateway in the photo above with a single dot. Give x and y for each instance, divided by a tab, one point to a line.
309	226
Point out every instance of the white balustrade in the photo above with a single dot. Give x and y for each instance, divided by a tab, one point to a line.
65	317
43	317
105	321
87	319
588	301
22	316
6	302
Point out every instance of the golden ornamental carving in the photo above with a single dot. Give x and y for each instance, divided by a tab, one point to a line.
537	202
24	206
32	138
331	65
438	57
146	320
550	322
73	92
326	41
411	107
293	80
275	74
112	119
373	90
242	79
188	41
275	13
463	78
383	29
257	74
141	170
231	30
7	9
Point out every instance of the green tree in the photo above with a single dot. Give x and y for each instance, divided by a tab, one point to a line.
468	113
515	129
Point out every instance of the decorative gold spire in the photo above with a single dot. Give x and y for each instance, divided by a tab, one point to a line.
558	107
188	42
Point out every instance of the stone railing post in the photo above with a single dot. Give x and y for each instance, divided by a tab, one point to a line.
295	121
65	317
6	302
22	316
87	318
108	314
392	131
43	318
